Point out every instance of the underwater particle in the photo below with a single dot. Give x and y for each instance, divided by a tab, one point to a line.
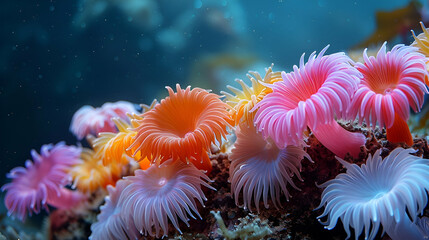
110	223
245	99
41	182
392	82
312	95
161	193
381	192
183	127
422	43
90	174
250	228
89	120
258	168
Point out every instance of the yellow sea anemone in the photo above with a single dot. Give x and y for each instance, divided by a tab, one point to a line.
90	174
244	100
422	43
183	126
112	147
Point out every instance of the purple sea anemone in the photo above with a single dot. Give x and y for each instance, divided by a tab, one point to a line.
90	120
380	192
312	95
42	182
110	222
392	83
163	192
258	167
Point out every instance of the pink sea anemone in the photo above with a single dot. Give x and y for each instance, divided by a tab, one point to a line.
312	95
110	222
42	182
258	167
89	120
183	127
163	192
391	83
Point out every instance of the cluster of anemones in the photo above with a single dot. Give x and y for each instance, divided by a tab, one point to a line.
312	98
272	118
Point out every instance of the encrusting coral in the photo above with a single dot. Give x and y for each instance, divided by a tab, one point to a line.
247	230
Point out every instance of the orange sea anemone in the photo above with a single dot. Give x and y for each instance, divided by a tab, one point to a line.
183	126
244	100
90	174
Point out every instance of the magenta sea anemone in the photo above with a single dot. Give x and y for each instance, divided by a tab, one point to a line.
89	120
392	83
258	167
381	192
312	95
163	192
110	222
42	182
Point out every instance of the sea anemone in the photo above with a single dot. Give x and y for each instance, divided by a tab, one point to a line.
391	83
183	126
422	43
312	95
163	192
110	223
387	192
113	147
42	182
89	120
244	100
259	167
90	174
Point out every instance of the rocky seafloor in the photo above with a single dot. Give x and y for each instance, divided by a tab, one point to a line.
297	219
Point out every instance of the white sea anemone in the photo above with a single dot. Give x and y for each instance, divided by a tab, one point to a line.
380	192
